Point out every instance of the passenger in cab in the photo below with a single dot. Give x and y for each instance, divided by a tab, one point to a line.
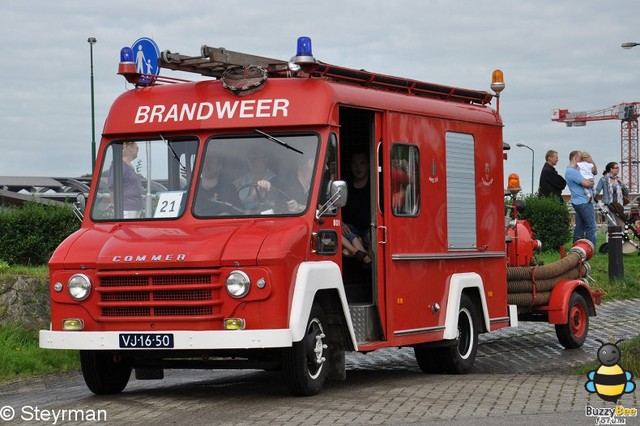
215	196
298	187
356	215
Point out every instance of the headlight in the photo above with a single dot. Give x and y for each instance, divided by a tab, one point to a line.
238	284
79	286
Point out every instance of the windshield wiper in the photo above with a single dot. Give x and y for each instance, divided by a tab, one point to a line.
182	167
278	141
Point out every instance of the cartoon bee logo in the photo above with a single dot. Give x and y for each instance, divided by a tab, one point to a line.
609	381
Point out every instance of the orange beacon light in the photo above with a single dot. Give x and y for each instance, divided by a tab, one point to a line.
497	81
513	183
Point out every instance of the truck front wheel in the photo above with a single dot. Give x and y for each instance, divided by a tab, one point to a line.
306	364
573	334
104	372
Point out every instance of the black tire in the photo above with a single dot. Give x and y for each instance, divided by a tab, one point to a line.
459	358
306	364
573	334
103	372
428	359
604	248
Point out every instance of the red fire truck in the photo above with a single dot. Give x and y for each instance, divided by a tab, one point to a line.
215	231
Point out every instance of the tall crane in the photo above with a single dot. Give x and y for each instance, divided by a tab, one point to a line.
628	114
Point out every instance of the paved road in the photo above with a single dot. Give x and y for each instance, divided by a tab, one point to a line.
520	378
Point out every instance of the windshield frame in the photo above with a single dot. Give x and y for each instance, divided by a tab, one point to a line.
236	150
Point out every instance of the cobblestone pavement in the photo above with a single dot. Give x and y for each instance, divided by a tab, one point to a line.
529	348
521	377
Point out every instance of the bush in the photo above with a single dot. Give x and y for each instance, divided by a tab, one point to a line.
30	234
549	219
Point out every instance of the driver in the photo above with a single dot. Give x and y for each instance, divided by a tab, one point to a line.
293	185
247	184
215	196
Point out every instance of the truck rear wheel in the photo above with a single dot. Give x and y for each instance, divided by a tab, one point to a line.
103	372
459	358
305	364
428	359
573	334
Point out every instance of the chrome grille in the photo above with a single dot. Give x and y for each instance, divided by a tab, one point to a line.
155	295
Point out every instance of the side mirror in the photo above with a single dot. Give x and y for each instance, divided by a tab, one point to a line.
339	192
337	197
81	202
79	206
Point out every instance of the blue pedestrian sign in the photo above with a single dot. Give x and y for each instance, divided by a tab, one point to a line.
145	57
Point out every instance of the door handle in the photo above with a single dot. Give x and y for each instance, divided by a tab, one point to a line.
384	233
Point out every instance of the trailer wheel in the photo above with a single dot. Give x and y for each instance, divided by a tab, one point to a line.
305	364
573	334
459	358
103	372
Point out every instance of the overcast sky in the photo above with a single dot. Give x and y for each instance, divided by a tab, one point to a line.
554	54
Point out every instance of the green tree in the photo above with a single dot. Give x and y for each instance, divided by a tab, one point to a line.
550	220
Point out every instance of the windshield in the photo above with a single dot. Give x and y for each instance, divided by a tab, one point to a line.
150	179
261	175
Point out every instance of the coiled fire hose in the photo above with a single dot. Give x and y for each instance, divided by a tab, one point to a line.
528	286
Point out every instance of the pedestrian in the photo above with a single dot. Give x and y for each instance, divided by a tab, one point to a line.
611	186
551	183
583	207
131	185
588	170
613	191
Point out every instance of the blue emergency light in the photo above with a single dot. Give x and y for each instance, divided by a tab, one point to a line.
304	47
304	54
126	54
126	67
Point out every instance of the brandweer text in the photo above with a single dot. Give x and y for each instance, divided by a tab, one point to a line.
199	111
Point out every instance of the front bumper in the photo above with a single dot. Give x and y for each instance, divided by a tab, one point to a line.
109	340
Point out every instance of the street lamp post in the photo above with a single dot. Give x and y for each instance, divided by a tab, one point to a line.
92	41
533	161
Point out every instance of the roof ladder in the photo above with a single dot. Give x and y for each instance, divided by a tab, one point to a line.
214	61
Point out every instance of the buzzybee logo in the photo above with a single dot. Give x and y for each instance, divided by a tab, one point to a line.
609	381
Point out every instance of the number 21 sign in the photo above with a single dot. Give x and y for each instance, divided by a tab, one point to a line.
169	204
